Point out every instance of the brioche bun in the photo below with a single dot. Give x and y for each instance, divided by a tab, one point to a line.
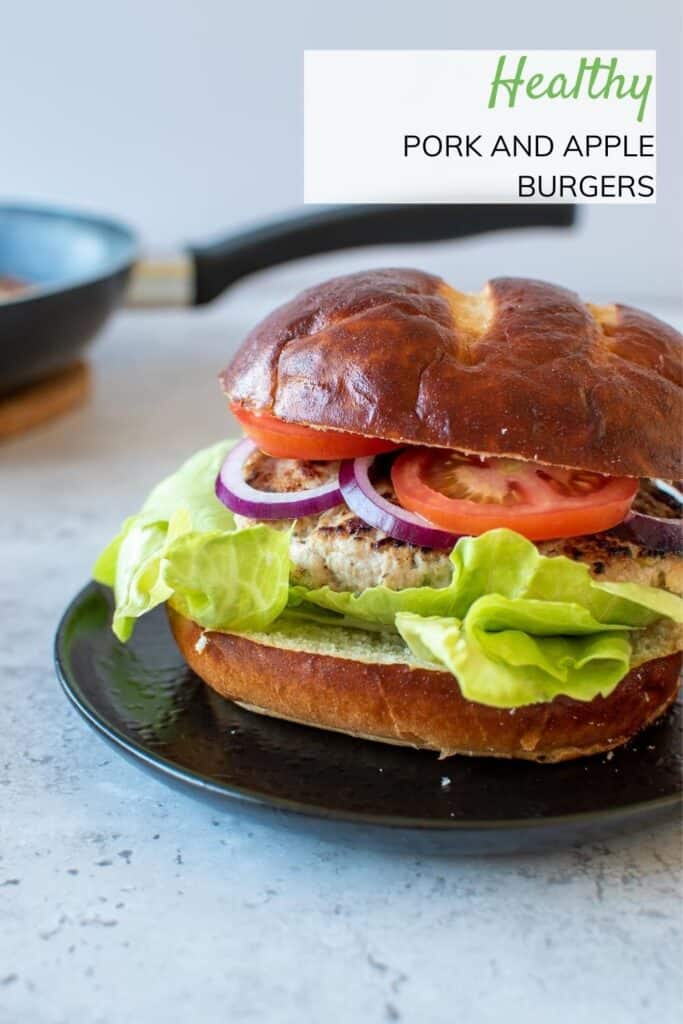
368	685
524	369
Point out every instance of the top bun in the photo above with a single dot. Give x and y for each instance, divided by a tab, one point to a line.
523	369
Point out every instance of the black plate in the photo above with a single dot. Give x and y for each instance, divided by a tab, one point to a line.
143	698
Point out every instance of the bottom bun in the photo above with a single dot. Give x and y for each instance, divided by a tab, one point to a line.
365	684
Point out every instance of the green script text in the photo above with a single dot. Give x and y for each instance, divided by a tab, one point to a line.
595	78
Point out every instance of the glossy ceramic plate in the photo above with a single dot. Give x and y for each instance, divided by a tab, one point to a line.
142	697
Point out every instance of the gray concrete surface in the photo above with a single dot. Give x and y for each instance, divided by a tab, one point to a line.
121	901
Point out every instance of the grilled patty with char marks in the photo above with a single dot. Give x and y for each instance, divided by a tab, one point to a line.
338	549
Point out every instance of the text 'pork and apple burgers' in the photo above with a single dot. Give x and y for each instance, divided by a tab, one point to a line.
452	524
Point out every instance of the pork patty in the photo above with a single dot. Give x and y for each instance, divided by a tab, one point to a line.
339	550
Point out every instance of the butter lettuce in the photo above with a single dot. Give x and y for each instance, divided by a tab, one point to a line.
375	607
503	562
183	548
510	653
514	626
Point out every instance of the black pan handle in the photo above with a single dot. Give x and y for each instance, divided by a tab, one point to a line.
221	263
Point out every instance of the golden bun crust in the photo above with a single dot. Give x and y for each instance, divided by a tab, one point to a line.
419	707
524	368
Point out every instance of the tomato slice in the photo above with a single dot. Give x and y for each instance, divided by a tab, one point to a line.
471	494
295	441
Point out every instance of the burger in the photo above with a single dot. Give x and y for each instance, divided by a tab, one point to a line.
453	522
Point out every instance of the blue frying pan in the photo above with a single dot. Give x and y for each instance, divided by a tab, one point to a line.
80	267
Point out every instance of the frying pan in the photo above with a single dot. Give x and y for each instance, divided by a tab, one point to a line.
81	267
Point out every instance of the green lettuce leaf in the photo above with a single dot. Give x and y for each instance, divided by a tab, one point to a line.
502	562
183	547
507	653
375	607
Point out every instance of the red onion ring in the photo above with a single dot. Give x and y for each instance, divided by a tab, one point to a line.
239	496
654	532
362	498
664	535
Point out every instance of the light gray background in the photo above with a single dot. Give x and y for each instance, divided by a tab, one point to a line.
185	117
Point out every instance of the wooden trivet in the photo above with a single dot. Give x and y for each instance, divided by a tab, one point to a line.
49	398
